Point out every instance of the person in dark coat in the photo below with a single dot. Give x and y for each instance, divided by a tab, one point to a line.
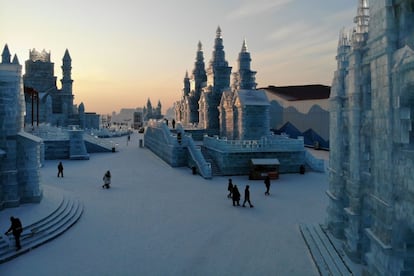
173	123
247	197
60	169
267	183
107	180
236	196
17	229
230	188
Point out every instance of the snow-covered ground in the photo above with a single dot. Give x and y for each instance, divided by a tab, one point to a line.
158	220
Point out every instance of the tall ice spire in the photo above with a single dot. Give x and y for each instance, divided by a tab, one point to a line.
5	56
362	22
244	46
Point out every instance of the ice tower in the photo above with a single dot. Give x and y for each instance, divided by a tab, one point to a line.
19	151
55	105
371	202
218	80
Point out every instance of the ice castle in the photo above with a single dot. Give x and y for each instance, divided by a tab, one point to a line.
45	102
210	102
371	189
19	151
223	126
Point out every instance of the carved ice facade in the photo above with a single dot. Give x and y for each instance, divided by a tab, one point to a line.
371	186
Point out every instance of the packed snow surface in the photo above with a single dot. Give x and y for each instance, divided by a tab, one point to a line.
159	220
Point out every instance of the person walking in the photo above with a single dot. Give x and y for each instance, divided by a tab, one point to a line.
247	197
230	188
107	180
267	184
60	169
17	229
236	196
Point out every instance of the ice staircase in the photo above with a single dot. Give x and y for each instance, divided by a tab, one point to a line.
326	257
46	229
215	169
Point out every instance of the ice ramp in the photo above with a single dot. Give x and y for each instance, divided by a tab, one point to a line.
94	144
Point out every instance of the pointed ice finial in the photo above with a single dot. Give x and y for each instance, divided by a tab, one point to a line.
200	46
343	38
244	47
15	59
5	56
218	32
66	56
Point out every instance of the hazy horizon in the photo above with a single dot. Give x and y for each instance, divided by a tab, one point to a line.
127	51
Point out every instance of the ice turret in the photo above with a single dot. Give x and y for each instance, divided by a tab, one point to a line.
362	22
15	60
199	71
5	56
186	90
244	78
67	73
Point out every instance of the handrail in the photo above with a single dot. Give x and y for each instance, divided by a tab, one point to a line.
203	166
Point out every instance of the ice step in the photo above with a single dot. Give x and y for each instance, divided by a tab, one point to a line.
61	219
326	257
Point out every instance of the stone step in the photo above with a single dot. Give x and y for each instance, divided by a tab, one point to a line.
53	225
326	258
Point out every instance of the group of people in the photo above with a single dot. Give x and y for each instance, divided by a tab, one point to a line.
234	193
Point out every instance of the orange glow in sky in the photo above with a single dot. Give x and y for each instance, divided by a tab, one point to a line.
124	52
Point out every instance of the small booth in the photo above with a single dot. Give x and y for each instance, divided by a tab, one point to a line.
260	168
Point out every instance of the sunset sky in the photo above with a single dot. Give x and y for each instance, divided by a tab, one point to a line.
126	51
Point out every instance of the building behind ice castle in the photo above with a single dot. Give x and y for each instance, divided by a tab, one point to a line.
371	189
210	102
19	151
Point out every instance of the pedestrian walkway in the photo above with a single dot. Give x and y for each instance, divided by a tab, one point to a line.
159	220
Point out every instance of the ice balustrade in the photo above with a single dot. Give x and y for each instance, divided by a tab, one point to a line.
166	133
269	143
49	133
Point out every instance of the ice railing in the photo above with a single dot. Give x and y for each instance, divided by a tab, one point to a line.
195	152
166	133
48	132
278	143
